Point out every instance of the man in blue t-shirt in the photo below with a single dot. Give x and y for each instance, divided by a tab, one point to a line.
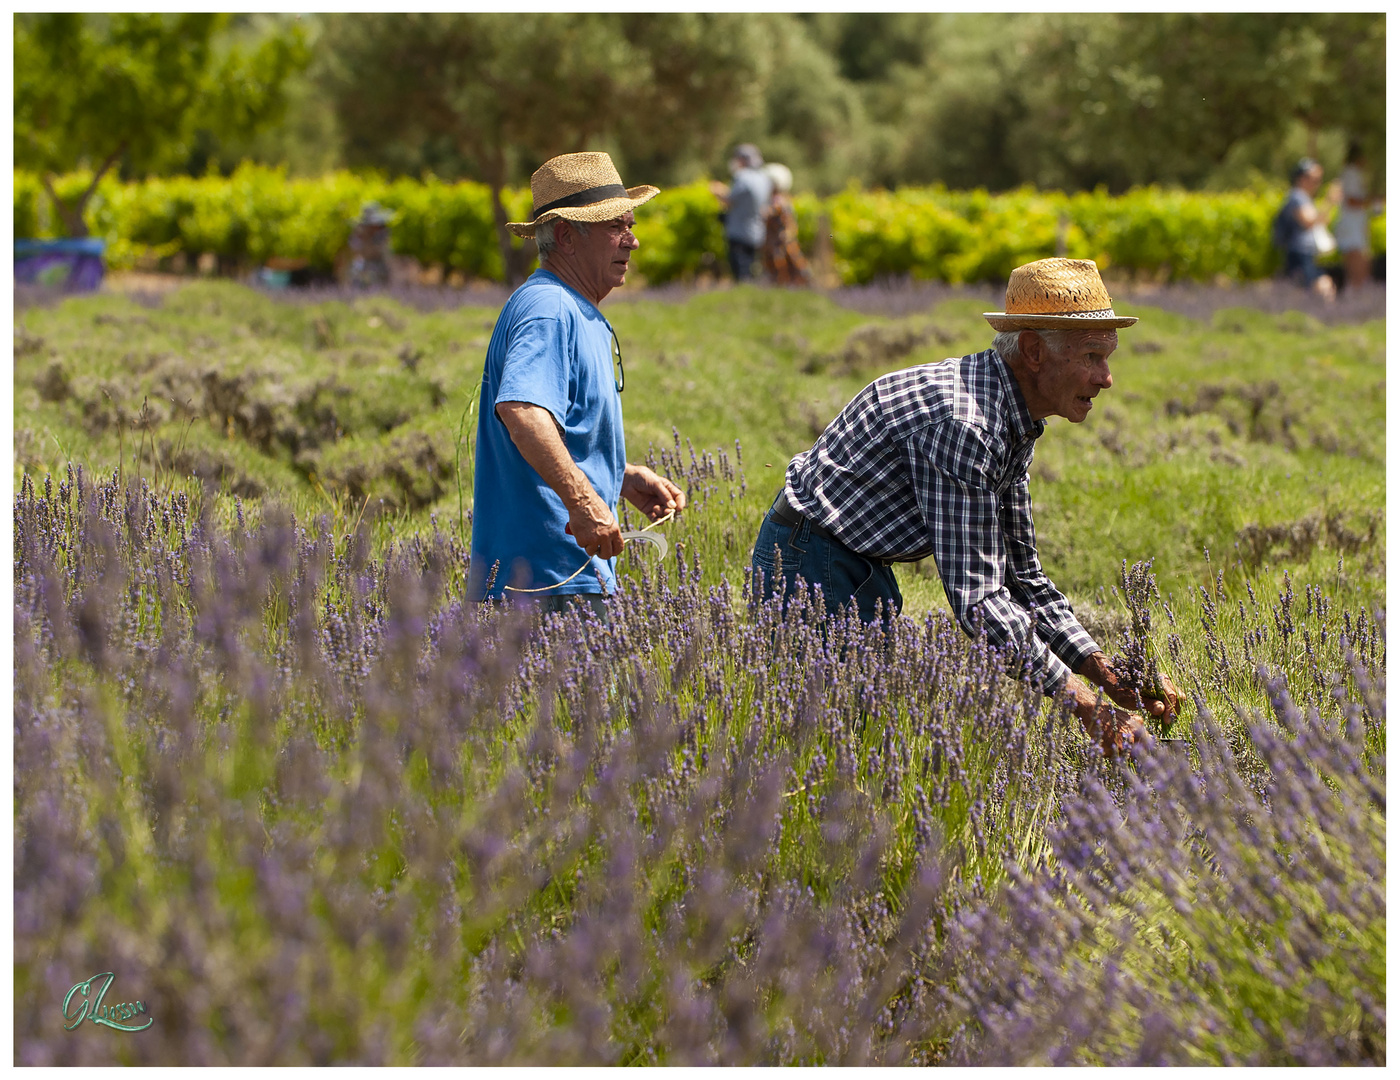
550	456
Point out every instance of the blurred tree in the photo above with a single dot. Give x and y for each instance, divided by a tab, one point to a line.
97	90
1076	101
306	140
695	82
1134	99
870	46
812	119
493	96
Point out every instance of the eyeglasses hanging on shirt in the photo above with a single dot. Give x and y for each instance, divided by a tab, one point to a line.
619	376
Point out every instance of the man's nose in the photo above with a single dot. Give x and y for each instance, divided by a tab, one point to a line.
1103	377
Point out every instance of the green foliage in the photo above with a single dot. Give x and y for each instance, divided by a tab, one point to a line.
925	233
976	100
1259	438
680	233
92	91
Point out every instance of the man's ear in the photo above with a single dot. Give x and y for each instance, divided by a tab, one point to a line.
563	237
1032	349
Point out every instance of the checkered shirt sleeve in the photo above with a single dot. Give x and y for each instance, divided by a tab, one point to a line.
984	544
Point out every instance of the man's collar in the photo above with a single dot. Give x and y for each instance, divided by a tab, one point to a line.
557	278
1021	422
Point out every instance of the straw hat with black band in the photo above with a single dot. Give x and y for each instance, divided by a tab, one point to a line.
579	187
1057	294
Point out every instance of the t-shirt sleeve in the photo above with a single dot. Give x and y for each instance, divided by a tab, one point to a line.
537	368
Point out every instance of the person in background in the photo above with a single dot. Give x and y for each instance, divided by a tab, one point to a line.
745	201
783	261
1297	232
1353	229
935	460
551	461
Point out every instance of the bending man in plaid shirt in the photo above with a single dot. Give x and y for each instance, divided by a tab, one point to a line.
934	460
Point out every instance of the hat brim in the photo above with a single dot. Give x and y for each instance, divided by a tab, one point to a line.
605	210
1000	320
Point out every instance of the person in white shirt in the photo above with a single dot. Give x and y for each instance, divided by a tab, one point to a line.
1353	226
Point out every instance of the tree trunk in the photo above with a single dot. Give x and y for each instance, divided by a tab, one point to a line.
72	216
515	259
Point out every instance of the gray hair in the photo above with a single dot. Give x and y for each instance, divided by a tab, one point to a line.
544	234
1008	342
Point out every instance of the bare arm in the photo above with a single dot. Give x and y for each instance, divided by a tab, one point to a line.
537	437
1113	728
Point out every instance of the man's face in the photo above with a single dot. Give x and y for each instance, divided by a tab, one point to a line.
1073	373
602	256
1311	180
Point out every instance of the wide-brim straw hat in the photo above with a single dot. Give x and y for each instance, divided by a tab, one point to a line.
579	187
1057	294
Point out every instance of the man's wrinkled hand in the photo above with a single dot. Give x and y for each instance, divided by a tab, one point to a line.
1166	707
1098	669
653	495
1112	728
595	529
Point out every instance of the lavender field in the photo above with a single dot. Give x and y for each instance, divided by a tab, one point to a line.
311	806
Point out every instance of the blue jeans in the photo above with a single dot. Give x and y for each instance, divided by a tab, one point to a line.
1301	266
741	259
844	575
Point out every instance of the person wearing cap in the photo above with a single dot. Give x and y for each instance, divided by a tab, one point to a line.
1300	230
745	203
550	456
934	461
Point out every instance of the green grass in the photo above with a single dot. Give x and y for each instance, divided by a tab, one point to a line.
1255	437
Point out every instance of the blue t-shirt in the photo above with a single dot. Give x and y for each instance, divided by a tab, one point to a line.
748	199
553	348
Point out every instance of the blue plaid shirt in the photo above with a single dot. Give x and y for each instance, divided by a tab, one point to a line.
934	460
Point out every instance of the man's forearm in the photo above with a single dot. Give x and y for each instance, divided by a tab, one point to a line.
535	435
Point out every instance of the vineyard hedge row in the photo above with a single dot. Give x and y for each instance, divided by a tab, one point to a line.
925	233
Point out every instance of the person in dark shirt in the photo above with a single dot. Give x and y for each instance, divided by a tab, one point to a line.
1298	227
935	460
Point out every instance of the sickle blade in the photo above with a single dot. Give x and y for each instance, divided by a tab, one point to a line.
653	538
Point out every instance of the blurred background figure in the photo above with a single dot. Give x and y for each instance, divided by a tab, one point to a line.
1300	233
745	202
783	261
369	247
1354	219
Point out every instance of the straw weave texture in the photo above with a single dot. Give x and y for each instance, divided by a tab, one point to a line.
568	174
1056	292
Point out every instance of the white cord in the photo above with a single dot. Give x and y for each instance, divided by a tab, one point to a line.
545	588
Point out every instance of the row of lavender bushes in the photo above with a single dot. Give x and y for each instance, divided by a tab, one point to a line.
310	806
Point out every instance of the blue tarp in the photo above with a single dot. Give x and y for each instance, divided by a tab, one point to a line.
73	264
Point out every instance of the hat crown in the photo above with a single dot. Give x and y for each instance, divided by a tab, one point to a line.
569	174
1056	287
